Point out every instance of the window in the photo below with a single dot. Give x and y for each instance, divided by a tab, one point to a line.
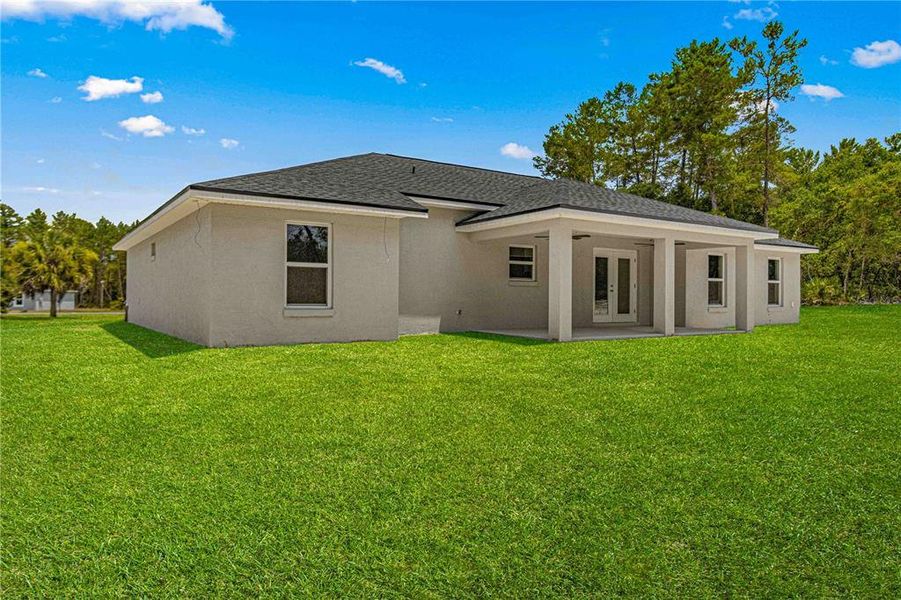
152	250
774	281
521	263
308	268
716	280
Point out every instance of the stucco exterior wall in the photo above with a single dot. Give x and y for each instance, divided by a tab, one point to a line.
583	279
697	313
789	312
247	292
171	293
218	279
450	283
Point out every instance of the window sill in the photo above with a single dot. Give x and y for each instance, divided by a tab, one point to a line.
525	283
717	309
299	311
775	308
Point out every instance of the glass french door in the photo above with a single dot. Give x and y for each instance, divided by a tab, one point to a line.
615	286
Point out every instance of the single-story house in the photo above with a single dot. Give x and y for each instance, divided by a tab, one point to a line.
41	301
374	246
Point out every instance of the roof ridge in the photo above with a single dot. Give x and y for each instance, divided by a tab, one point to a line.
280	169
661	202
450	164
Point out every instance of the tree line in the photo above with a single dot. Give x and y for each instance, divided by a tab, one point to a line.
61	253
707	134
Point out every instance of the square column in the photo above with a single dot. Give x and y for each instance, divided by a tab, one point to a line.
560	283
665	286
744	287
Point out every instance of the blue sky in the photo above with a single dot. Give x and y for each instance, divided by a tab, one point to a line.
276	84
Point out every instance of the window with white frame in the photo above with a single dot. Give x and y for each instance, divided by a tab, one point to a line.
521	263
716	280
308	265
774	281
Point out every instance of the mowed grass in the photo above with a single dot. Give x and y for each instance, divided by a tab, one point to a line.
454	465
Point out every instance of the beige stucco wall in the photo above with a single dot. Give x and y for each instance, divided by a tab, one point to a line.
450	283
583	279
444	273
697	313
679	300
248	278
172	293
789	312
219	276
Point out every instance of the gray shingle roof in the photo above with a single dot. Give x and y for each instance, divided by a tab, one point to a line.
386	180
567	193
786	243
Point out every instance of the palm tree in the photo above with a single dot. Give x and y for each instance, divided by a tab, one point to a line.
50	259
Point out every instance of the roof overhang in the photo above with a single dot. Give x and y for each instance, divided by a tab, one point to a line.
430	202
612	219
786	249
191	199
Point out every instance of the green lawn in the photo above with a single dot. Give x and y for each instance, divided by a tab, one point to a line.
454	465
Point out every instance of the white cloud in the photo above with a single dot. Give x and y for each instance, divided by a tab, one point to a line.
56	100
38	189
228	143
156	16
825	60
148	126
110	136
192	131
727	23
37	73
826	92
756	14
152	98
56	39
97	88
442	120
518	151
41	161
876	54
386	70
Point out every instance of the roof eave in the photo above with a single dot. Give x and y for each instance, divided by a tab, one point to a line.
493	221
177	207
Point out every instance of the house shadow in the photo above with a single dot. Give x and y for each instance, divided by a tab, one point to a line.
151	344
496	337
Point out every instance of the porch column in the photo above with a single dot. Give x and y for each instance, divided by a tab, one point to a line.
665	286
744	287
560	283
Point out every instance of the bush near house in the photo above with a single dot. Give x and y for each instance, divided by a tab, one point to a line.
455	465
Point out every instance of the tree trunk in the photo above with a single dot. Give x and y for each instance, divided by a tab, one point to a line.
121	282
766	159
53	296
863	269
846	276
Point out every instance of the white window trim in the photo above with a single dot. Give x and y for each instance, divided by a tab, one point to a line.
778	281
722	280
327	265
533	263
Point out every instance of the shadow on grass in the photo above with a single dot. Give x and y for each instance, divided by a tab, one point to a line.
149	343
496	337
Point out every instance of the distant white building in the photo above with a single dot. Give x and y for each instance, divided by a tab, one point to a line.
41	301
